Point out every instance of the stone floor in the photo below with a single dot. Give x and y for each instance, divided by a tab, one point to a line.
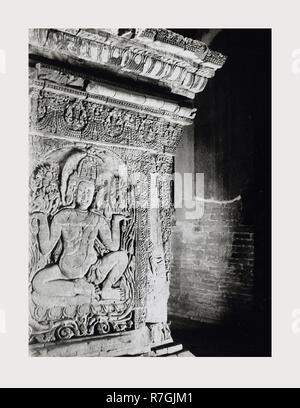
209	340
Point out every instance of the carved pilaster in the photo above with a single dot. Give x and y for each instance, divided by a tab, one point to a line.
102	158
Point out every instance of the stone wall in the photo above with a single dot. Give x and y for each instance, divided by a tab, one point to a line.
214	276
213	261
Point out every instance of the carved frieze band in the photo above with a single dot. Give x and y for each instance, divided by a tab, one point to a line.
43	75
70	113
132	57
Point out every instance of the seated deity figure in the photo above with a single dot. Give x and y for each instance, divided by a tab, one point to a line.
78	227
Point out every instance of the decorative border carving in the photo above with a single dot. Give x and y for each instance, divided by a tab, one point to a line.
44	75
71	115
130	56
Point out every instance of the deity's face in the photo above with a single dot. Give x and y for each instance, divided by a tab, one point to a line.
85	194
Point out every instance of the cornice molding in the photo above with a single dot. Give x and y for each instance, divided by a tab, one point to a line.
64	81
181	64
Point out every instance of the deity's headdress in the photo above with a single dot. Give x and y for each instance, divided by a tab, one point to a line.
81	166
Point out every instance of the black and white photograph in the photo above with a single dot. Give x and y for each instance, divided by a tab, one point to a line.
149	192
149	200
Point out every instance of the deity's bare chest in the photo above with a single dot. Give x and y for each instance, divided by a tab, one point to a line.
80	226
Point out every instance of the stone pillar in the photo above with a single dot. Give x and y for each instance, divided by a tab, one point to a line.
101	191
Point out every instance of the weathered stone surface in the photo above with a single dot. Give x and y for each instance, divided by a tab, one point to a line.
64	308
101	197
112	345
181	64
72	113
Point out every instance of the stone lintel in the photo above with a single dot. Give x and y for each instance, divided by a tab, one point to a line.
63	81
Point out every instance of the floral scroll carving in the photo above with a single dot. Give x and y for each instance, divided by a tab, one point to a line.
72	117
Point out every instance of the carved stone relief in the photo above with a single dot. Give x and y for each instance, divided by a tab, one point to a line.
83	233
101	191
70	116
182	64
94	263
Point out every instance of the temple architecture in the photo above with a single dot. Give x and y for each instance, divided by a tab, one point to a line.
107	110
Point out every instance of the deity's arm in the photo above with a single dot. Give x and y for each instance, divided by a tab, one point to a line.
48	235
110	237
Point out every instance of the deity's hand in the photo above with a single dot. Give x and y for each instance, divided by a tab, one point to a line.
107	211
34	226
36	219
120	217
39	216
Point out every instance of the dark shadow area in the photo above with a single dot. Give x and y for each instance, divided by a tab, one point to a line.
233	150
211	340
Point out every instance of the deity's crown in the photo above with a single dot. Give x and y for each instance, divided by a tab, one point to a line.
89	168
80	167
